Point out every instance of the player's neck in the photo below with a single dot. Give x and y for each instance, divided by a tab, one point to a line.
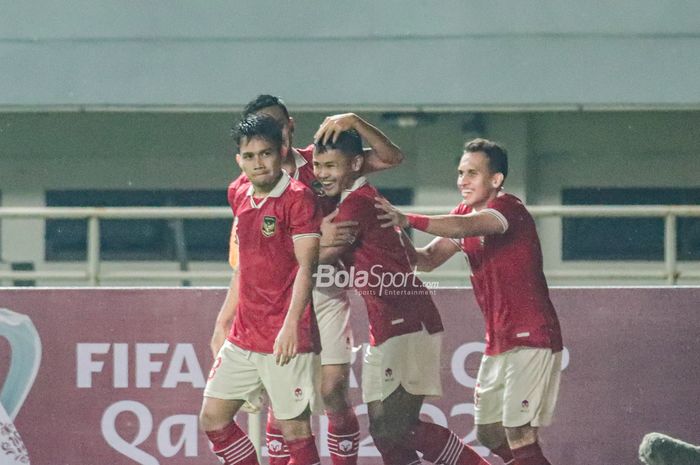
260	192
289	163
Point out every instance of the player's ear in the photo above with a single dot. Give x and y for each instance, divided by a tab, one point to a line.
290	124
357	162
238	160
497	180
284	150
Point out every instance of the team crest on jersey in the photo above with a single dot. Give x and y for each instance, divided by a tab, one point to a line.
388	374
269	226
298	393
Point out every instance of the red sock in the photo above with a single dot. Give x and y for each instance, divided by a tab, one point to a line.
343	437
440	445
233	446
303	452
504	453
530	455
276	447
396	454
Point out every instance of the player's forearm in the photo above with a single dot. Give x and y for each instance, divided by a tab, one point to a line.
457	226
224	319
383	152
301	295
423	260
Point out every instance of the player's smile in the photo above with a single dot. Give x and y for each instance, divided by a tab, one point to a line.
334	171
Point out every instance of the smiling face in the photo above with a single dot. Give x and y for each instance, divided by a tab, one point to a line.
336	171
261	161
475	181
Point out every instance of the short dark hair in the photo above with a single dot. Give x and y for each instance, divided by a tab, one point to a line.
496	154
265	101
258	125
349	143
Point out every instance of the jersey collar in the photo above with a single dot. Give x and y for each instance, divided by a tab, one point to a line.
359	182
276	191
299	161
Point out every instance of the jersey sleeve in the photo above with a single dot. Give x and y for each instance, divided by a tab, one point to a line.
305	216
508	209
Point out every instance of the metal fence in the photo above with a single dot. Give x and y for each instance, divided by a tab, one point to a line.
93	273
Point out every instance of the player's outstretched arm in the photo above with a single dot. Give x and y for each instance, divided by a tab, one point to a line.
287	341
436	253
224	319
454	226
382	154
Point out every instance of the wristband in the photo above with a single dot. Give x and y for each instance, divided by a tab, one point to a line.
419	222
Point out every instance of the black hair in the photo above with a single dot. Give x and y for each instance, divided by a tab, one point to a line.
496	154
349	143
258	125
265	101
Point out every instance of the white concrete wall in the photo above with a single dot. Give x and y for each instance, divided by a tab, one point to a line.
455	53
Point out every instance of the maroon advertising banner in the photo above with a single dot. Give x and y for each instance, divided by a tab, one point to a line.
115	376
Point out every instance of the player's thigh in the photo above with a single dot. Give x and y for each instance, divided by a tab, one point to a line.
489	390
410	361
531	380
294	387
233	376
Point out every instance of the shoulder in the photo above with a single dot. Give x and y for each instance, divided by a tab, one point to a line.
507	202
298	191
237	189
511	209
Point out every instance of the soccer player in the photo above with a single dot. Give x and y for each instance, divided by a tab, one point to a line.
331	304
273	342
402	363
518	379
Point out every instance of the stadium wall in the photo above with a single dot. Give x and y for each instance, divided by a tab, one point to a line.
549	151
119	372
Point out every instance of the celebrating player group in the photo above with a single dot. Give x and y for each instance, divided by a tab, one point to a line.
283	335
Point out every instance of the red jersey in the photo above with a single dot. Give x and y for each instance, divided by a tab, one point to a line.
380	267
509	284
266	229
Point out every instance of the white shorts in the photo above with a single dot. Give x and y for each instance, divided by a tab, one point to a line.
410	360
332	308
239	374
517	387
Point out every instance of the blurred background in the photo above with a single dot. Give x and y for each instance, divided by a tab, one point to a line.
129	104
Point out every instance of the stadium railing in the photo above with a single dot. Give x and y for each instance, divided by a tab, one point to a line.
93	274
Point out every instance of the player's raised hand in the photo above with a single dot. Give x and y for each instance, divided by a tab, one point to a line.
286	344
337	234
390	215
333	125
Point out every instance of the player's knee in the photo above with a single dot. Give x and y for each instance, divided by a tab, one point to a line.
521	436
488	437
334	397
210	419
